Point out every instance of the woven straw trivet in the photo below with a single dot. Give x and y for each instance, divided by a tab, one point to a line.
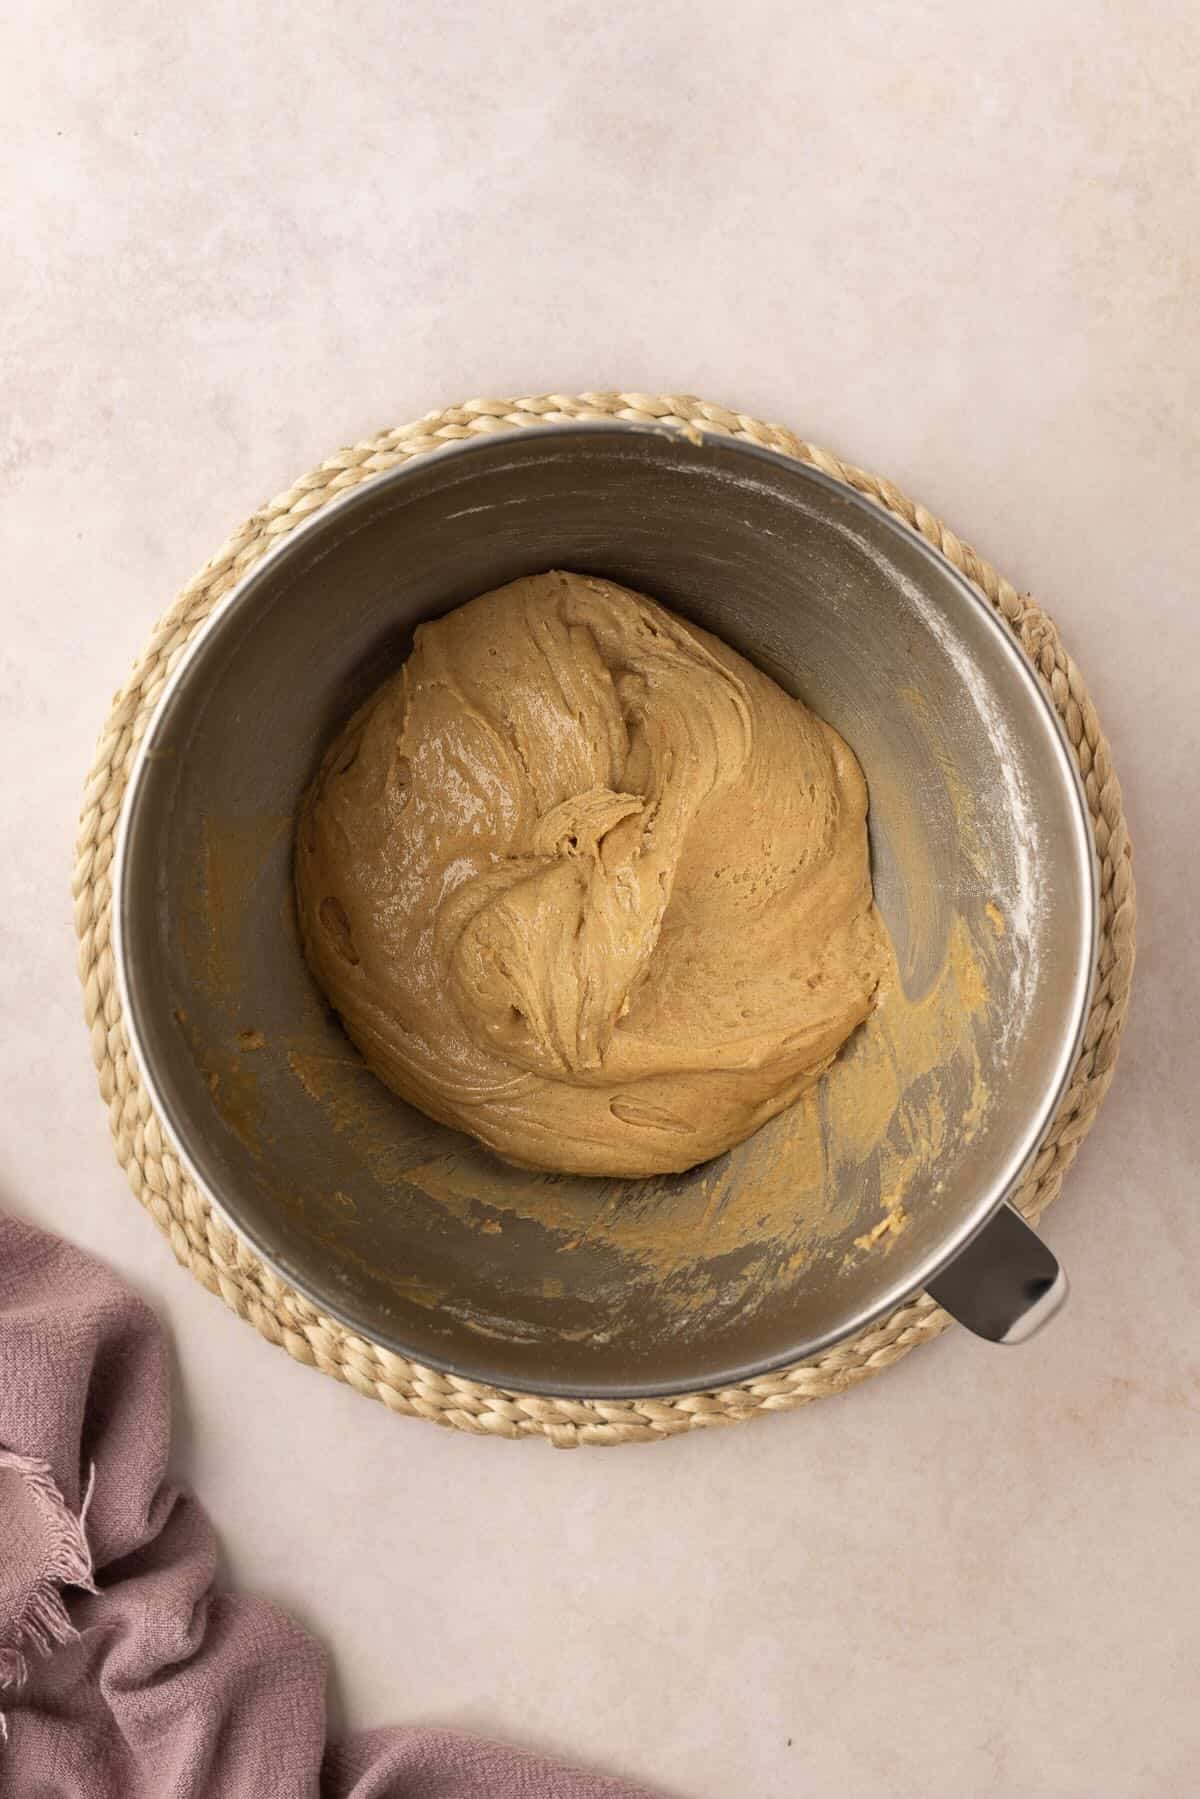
227	1267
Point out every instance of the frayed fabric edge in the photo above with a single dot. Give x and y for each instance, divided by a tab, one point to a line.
42	1623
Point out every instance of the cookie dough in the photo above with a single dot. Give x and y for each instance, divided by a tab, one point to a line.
582	881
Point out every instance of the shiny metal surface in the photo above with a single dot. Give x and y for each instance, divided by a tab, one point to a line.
834	599
1006	1284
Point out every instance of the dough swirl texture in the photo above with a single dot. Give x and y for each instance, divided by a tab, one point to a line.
582	881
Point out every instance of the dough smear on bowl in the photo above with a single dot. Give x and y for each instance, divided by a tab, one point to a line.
582	881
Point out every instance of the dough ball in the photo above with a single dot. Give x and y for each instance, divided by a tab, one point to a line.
582	881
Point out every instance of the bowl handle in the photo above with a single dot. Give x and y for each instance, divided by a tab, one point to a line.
1005	1284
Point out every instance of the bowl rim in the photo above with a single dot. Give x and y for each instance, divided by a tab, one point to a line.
893	1295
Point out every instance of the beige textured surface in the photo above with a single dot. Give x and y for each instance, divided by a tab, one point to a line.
210	1250
205	1245
656	938
942	237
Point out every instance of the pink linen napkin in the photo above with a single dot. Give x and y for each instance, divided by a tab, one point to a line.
123	1673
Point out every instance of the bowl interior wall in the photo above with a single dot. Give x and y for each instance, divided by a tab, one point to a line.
403	1228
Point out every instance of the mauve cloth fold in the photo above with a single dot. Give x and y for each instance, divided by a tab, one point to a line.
152	1685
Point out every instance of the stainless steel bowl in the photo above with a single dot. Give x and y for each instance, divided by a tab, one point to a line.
404	1230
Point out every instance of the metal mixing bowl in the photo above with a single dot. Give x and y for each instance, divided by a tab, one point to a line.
403	1229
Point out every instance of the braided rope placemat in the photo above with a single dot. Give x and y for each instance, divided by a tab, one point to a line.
206	1245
